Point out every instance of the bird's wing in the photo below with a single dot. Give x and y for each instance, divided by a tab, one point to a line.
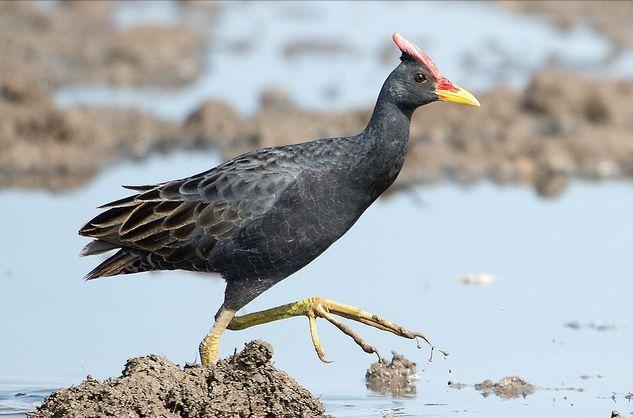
182	220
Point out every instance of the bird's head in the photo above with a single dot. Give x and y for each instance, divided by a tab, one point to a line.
417	80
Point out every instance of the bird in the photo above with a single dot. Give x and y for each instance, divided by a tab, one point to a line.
260	217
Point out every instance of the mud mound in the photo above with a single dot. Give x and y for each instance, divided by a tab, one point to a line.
541	137
507	388
396	377
78	42
246	385
613	18
44	146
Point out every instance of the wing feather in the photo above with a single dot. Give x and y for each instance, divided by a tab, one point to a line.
181	221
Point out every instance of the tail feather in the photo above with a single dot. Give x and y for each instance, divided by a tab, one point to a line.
123	261
97	247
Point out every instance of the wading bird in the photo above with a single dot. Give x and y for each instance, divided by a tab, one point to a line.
260	217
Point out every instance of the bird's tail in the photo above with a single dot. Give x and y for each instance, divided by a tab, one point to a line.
122	262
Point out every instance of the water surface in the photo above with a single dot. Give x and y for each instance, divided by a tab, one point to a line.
555	262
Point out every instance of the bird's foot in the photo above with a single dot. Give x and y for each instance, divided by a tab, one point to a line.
323	308
210	345
208	349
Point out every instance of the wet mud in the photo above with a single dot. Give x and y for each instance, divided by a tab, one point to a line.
507	388
396	378
75	42
541	137
613	21
245	385
43	146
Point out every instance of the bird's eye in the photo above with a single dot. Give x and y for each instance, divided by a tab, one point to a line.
420	78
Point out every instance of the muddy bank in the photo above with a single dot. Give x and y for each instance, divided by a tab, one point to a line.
246	385
540	137
612	19
562	126
46	147
74	42
396	377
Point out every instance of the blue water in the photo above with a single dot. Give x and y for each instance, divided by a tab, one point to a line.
16	398
554	261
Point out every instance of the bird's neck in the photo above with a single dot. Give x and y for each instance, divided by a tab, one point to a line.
389	123
385	142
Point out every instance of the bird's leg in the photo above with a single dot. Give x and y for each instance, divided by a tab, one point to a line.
326	309
210	344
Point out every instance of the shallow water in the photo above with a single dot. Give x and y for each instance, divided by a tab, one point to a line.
554	261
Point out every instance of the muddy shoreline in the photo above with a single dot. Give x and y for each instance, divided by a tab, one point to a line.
76	42
541	137
560	127
613	21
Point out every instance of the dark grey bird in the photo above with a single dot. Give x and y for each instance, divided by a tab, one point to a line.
260	217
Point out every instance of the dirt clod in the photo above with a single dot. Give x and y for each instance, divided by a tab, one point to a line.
507	388
396	377
246	385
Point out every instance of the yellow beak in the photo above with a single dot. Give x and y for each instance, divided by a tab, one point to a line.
457	95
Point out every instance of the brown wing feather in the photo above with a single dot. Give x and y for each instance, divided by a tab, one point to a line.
176	224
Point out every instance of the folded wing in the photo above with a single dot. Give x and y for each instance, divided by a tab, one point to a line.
176	224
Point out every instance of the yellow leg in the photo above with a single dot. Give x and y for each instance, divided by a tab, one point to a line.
210	344
323	308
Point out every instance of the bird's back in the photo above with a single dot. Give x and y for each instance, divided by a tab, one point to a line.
206	221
